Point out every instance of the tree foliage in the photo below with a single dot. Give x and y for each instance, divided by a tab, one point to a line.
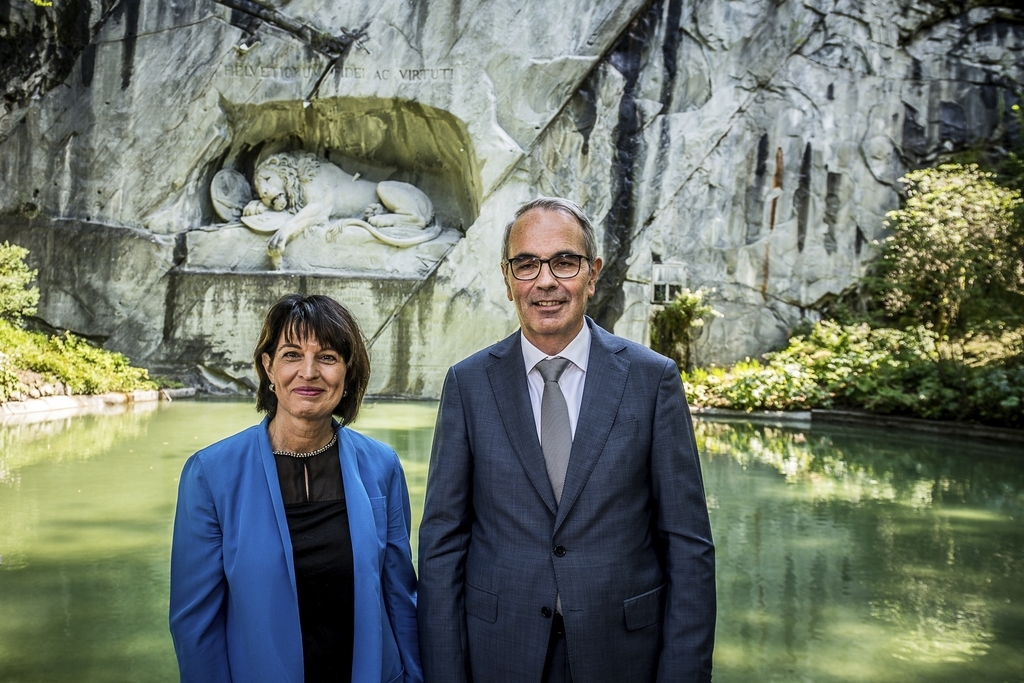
18	298
954	255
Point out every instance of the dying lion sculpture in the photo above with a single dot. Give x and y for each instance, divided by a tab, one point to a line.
299	190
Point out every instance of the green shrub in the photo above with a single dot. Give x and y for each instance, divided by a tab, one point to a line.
8	380
883	370
166	382
857	365
17	298
996	394
749	385
68	359
71	360
672	325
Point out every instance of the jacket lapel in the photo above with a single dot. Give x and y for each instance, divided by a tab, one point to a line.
367	653
602	393
507	375
270	469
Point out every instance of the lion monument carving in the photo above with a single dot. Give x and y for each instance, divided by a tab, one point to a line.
298	190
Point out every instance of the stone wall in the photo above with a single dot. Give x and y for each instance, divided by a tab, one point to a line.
750	147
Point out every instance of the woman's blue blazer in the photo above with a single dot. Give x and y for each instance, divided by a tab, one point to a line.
234	613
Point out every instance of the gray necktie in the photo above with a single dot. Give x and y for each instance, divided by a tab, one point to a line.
555	430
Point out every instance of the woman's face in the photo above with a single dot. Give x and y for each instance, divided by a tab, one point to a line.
309	380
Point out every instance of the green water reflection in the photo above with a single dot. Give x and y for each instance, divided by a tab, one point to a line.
859	555
843	555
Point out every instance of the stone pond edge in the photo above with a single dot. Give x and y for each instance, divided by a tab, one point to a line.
67	406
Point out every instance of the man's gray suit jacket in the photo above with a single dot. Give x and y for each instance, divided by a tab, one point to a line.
629	548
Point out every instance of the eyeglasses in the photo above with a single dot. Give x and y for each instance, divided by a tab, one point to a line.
563	266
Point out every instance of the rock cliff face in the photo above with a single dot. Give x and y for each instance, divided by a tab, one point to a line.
748	146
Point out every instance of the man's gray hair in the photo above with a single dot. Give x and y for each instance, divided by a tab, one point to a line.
565	206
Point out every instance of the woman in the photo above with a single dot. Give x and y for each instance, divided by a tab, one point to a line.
290	558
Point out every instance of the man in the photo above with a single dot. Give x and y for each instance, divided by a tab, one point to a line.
531	571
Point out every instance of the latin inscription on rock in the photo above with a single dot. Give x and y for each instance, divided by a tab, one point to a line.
271	71
435	74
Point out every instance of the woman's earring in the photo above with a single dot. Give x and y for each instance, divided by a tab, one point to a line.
344	394
272	386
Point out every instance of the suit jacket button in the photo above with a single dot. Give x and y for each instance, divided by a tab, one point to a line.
545	612
559	551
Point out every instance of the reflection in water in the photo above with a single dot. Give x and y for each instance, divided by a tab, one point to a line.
850	555
28	442
843	555
85	516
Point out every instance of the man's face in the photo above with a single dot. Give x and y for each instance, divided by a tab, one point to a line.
550	309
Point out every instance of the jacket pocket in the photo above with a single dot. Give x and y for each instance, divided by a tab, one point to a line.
624	429
481	604
644	609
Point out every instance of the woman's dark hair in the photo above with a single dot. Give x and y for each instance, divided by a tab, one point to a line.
319	317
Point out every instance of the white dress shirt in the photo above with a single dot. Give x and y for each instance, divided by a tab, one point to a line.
572	380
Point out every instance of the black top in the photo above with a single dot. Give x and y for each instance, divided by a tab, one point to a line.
314	502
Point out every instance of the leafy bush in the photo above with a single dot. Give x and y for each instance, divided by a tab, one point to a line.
83	368
17	298
672	325
955	253
8	380
68	359
883	370
166	382
749	385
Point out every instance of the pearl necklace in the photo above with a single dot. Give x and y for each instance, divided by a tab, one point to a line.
334	440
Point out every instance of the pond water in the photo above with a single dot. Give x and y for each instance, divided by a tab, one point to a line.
843	554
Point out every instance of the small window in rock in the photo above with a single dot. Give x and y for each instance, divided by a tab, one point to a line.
667	280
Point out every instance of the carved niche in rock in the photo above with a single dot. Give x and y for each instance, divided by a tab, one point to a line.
298	190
